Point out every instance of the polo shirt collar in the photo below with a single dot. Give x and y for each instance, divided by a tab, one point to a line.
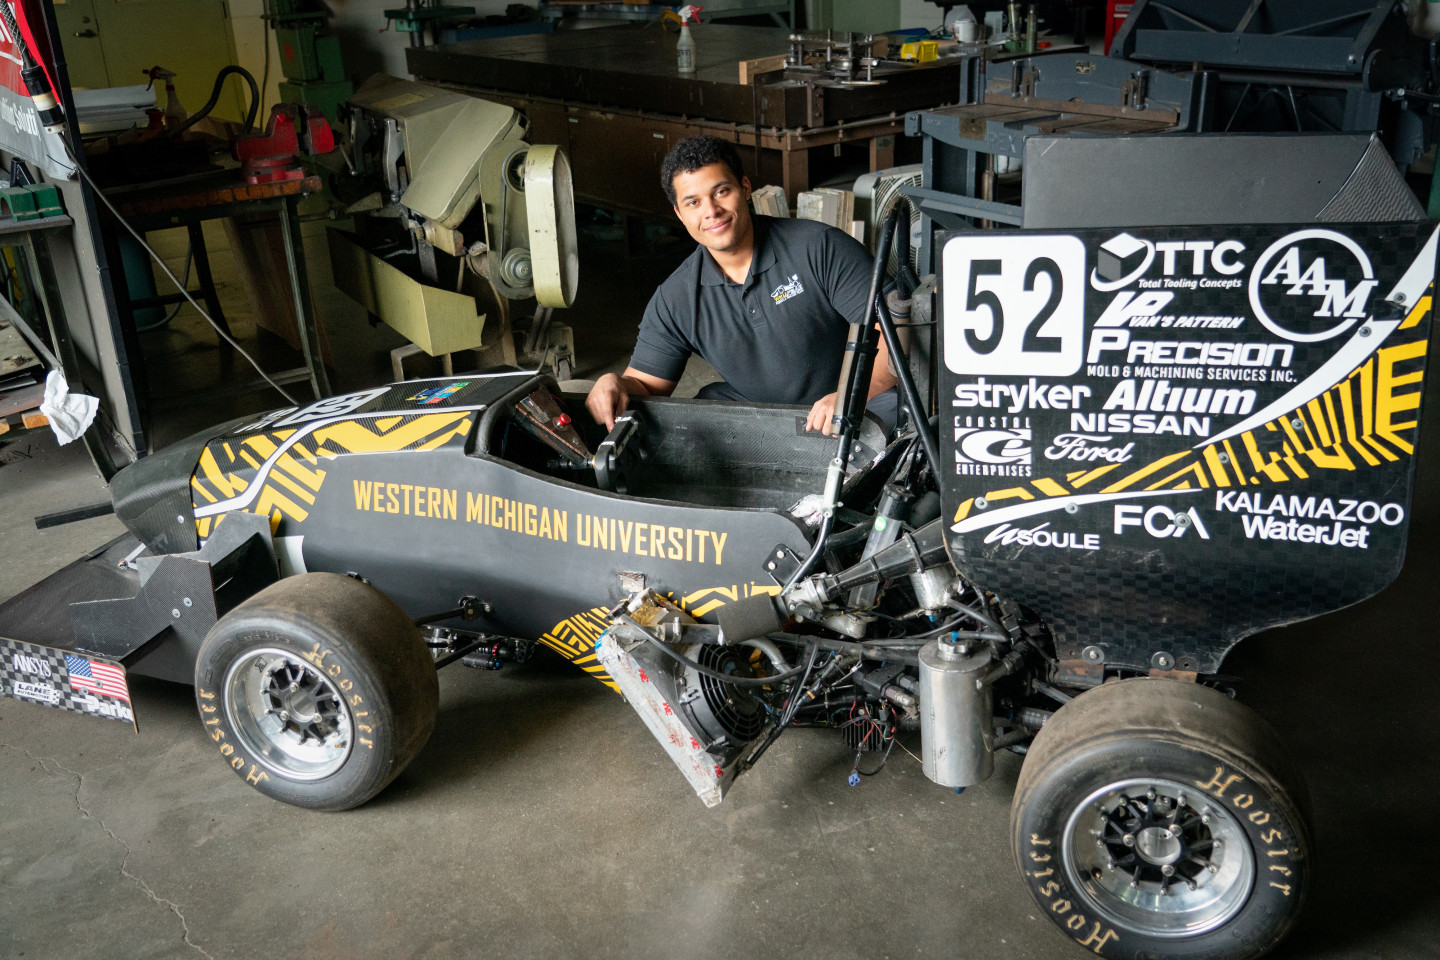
712	276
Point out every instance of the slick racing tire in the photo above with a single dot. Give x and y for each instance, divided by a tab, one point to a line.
1159	818
317	691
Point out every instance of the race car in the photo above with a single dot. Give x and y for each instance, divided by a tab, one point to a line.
1138	459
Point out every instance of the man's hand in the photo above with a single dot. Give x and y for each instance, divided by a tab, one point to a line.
607	400
821	414
610	396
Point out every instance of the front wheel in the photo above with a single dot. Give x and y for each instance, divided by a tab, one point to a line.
1160	818
317	691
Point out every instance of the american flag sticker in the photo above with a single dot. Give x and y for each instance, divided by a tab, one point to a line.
97	677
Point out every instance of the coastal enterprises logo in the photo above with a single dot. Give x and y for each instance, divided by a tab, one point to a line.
1311	285
993	451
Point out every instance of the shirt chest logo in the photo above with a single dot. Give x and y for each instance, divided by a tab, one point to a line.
790	288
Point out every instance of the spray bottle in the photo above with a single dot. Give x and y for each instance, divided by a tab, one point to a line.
685	46
175	114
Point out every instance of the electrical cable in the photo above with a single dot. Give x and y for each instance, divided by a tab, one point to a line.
716	674
80	169
185	278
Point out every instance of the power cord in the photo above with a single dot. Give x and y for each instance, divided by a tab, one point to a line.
219	331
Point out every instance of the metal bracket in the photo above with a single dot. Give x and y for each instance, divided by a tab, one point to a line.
782	563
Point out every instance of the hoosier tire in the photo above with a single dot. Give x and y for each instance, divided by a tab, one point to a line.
317	691
1158	818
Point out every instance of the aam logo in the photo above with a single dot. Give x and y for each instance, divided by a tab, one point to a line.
992	445
1311	285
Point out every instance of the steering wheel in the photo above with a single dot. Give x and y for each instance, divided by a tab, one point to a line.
614	456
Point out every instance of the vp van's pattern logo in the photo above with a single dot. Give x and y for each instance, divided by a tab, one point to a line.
1311	285
790	288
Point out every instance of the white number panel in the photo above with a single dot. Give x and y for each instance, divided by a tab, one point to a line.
1014	306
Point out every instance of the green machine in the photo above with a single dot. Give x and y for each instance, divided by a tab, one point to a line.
309	56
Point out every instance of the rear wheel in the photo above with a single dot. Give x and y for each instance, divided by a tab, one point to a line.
1160	818
317	691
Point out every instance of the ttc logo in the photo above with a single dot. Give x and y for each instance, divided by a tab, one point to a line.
992	445
1310	276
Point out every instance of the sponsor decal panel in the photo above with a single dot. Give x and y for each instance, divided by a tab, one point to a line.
33	673
1181	413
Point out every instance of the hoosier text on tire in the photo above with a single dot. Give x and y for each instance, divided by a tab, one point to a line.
1158	818
317	691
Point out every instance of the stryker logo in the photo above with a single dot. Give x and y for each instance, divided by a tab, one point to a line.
1301	269
1123	259
1041	537
35	666
1159	521
1022	396
981	451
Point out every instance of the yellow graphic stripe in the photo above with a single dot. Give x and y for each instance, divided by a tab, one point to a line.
295	477
1366	419
353	437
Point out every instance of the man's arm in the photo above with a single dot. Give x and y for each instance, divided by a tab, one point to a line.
881	379
611	394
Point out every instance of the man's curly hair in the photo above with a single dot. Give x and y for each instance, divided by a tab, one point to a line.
692	153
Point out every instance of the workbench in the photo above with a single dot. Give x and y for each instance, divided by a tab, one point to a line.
611	97
190	201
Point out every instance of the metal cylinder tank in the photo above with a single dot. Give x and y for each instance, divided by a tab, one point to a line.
956	725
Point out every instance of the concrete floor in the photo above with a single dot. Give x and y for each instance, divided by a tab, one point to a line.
542	821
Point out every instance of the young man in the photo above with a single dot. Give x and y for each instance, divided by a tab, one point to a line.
766	301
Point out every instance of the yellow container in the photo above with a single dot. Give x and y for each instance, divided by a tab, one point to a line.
922	50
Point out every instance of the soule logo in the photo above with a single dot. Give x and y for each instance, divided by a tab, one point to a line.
1311	285
997	446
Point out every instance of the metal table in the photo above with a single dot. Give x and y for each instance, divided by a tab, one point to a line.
611	97
714	10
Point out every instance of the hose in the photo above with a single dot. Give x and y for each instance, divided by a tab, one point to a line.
204	111
768	647
724	677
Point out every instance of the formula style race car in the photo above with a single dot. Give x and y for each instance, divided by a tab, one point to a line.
1139	459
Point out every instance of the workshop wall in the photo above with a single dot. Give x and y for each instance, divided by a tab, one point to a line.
251	38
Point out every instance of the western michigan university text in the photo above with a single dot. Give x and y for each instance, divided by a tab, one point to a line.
636	537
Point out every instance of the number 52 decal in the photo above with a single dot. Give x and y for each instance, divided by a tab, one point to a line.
1014	306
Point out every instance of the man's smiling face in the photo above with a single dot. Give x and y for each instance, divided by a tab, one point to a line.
714	207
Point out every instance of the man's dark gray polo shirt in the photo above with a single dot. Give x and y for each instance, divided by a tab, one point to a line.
779	337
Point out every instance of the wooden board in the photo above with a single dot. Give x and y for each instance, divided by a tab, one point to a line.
750	68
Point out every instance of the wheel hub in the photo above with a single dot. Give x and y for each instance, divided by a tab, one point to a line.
1159	859
1159	845
288	714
